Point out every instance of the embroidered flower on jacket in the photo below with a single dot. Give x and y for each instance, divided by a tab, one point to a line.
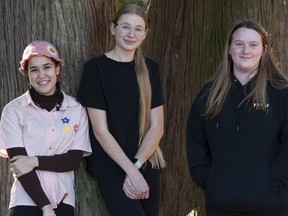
76	126
67	128
65	120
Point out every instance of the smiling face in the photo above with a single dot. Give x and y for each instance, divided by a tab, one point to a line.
246	49
42	73
129	32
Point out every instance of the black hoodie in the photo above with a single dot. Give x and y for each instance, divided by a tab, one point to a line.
240	157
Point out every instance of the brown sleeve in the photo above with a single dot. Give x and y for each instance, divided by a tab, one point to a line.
30	181
61	162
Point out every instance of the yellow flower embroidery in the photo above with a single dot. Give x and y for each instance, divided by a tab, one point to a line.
51	50
67	128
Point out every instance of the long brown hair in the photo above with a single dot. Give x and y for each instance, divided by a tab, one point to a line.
142	73
268	70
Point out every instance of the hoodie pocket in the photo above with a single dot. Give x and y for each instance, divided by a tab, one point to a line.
240	188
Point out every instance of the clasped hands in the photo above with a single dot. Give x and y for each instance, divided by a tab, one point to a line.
135	186
21	165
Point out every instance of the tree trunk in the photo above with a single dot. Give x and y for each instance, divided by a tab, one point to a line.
79	29
187	38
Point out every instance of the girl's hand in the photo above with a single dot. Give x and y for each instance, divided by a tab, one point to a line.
135	186
129	190
48	210
21	165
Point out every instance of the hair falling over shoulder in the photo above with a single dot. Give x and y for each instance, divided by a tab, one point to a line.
142	73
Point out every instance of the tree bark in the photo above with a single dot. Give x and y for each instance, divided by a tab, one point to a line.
79	29
187	38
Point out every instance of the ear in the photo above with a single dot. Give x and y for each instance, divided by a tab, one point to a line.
145	34
29	83
265	48
112	28
57	69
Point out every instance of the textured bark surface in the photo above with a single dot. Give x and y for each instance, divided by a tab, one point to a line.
187	38
79	30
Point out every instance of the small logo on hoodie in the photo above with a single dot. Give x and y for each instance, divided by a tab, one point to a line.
261	106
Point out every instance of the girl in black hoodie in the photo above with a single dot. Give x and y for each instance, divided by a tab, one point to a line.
237	131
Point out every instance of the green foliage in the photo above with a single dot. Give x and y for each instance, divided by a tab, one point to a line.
121	3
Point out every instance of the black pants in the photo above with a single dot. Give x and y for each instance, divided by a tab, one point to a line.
61	210
118	203
280	210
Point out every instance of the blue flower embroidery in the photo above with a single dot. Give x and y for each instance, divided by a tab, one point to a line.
65	120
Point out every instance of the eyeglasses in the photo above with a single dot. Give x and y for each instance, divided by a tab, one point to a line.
127	28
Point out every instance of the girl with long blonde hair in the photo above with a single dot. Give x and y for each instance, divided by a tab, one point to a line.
122	92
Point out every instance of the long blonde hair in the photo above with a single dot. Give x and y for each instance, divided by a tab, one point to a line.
142	73
268	70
